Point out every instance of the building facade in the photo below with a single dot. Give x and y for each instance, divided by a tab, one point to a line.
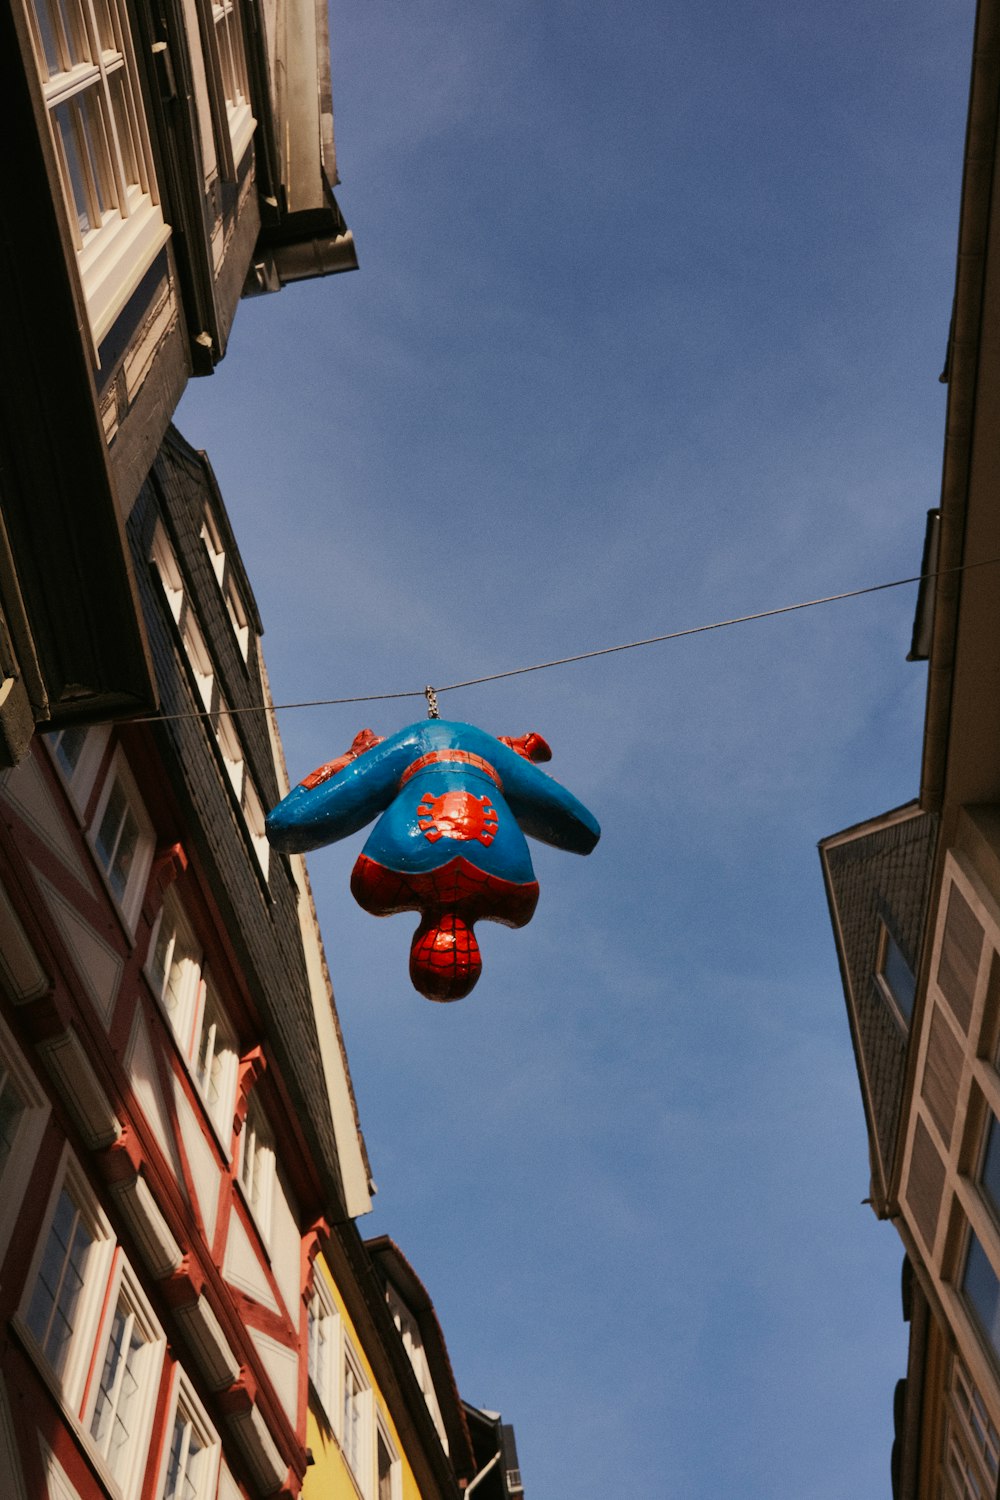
915	902
171	154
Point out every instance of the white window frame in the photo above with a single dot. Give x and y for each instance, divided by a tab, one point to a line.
70	1380
413	1343
227	584
258	1167
198	1020
383	1435
209	692
125	1290
182	952
79	778
185	1406
253	811
90	82
214	1060
360	1454
129	902
18	1170
164	558
324	1347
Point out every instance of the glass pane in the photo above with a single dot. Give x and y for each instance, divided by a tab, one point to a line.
116	1409
125	855
71	18
47	37
125	130
60	1282
105	27
982	1288
98	153
898	976
107	835
72	158
990	1175
69	747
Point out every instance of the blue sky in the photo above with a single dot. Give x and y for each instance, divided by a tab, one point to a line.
652	304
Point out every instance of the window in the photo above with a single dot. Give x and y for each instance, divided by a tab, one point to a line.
213	546
226	55
388	1469
971	1442
414	1346
215	1060
185	990
354	1433
199	661
324	1332
203	671
192	1467
118	1416
165	560
232	751
86	1320
91	87
175	969
989	1172
896	978
982	1291
77	752
122	839
257	1166
230	593
54	1314
255	824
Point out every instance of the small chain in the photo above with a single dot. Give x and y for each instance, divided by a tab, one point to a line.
433	712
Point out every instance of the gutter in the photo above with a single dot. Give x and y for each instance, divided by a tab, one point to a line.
962	372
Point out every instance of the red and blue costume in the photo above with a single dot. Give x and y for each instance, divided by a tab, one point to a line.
453	805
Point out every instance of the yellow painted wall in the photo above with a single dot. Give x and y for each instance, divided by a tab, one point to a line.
329	1477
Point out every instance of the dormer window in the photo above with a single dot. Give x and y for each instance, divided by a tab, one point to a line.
227	584
895	976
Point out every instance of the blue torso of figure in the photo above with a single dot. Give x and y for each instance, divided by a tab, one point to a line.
448	809
429	813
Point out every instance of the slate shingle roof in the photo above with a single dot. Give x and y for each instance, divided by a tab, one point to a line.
874	873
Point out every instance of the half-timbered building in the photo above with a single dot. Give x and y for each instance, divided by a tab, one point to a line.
178	1129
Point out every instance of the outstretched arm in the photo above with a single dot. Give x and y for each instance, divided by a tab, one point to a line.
545	809
321	812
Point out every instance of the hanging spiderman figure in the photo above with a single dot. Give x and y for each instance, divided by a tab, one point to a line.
453	805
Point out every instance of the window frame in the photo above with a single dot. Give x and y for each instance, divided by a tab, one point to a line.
960	1431
79	778
204	680
107	1277
124	1287
384	1436
232	118
92	93
129	903
184	1400
888	945
68	1380
256	1169
198	999
359	1456
324	1361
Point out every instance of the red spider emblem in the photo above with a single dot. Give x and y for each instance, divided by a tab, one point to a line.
457	815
